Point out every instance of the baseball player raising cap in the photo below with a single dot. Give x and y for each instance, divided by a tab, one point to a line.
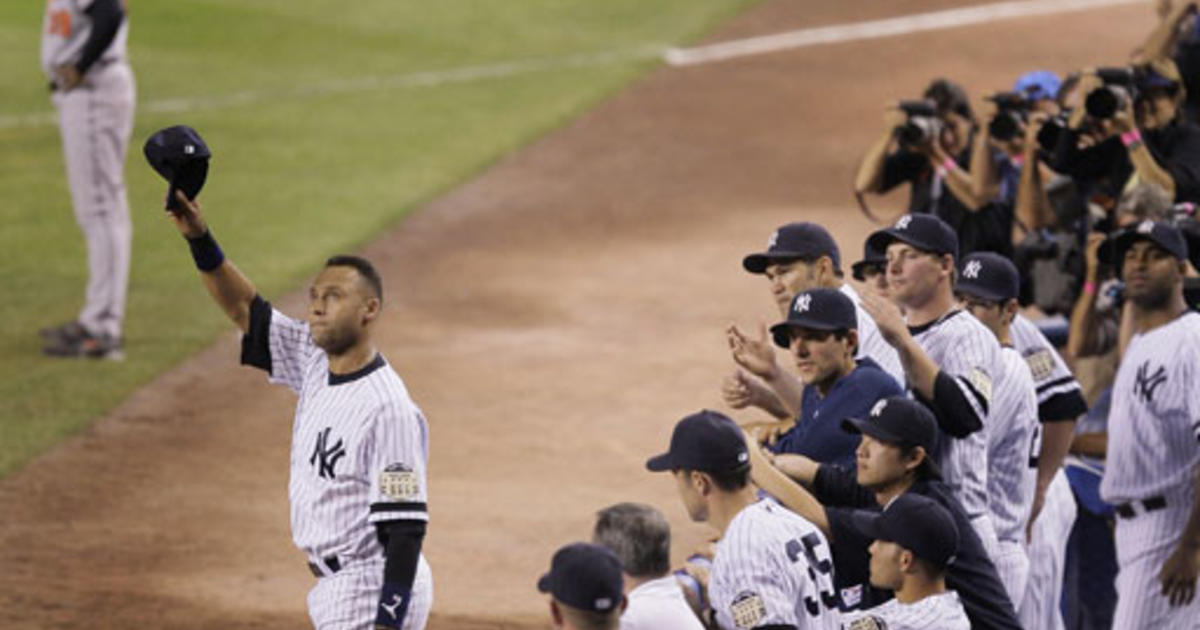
586	587
761	575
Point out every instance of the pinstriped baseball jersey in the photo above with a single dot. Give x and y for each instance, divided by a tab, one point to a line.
870	342
936	612
359	446
773	567
1051	376
967	351
1013	446
1154	421
66	28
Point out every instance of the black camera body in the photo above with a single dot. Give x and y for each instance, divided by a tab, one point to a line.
1120	88
922	127
1012	112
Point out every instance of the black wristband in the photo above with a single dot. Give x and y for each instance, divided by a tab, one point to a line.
206	252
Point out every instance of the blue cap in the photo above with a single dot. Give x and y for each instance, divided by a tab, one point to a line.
706	441
916	523
816	309
988	276
1038	85
923	231
1161	233
180	155
871	257
585	576
803	240
903	422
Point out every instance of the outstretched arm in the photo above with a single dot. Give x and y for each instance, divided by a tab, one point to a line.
786	491
231	290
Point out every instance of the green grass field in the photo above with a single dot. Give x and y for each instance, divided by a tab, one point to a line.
313	157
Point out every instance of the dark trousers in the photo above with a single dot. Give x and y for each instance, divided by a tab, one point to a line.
1089	588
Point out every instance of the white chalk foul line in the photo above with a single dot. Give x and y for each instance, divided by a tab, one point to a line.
879	28
432	78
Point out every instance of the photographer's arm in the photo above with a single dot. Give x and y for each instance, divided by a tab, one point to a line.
1032	207
1162	39
985	180
870	171
957	180
1147	169
1083	334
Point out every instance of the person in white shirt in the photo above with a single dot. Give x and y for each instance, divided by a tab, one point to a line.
640	537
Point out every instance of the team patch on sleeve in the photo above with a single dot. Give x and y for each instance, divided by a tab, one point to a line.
747	609
870	622
982	383
1041	364
399	483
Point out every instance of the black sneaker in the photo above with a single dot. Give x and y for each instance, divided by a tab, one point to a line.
69	330
85	345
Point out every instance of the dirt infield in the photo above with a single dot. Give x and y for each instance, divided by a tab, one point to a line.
553	317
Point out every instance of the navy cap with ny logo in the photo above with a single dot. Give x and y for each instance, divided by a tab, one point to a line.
705	441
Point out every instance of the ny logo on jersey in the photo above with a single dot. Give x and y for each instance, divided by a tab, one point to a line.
803	302
972	270
1145	383
327	455
902	224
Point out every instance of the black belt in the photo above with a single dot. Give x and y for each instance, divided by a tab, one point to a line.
1130	510
331	562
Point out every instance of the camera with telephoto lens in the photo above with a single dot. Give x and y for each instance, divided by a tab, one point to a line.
1012	112
922	126
1119	89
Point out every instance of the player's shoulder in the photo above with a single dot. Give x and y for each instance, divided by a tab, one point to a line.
767	521
869	379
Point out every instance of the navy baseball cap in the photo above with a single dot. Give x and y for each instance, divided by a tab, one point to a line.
804	240
923	231
1162	234
180	155
585	576
916	523
706	441
817	309
904	422
988	276
1038	85
871	257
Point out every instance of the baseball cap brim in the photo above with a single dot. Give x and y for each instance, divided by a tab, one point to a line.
758	263
543	583
858	269
982	293
928	469
781	333
868	523
1113	250
660	463
882	238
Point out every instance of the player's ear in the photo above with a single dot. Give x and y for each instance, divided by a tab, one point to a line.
852	341
556	614
908	562
701	482
913	458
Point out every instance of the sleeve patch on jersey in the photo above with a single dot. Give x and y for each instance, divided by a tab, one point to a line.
982	383
1041	364
747	609
852	596
399	483
870	622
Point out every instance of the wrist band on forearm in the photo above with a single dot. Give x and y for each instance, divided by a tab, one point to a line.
1131	137
206	252
949	164
1089	287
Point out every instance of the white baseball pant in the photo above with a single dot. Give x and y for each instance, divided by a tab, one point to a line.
349	599
1047	558
1143	544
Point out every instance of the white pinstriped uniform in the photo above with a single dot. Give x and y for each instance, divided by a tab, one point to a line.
773	567
936	612
870	342
1013	446
359	451
1154	451
1051	375
966	350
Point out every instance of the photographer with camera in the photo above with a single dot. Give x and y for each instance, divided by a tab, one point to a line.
1177	37
928	144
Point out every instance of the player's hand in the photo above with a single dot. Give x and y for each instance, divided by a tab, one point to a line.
1039	501
187	217
1179	573
755	354
767	433
737	390
67	77
886	315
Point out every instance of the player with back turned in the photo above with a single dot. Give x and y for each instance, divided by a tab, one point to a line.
359	443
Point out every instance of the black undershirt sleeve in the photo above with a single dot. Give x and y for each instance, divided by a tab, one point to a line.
106	21
402	541
1064	407
950	406
256	347
838	487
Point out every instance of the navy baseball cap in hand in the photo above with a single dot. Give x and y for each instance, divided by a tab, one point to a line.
180	155
923	231
903	422
1162	234
916	523
706	441
988	276
816	309
871	257
586	577
804	240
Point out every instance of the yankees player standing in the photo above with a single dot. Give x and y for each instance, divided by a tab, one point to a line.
83	55
1153	462
359	443
988	286
771	568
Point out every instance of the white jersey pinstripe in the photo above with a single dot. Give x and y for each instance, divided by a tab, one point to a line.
66	29
936	612
1013	447
773	567
1051	376
870	342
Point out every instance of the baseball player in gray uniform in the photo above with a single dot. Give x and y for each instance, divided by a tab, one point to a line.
950	360
1153	461
987	286
83	55
915	538
772	568
359	443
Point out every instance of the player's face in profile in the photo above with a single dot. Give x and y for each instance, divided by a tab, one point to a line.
1152	275
337	309
885	565
912	274
878	463
787	279
875	276
820	355
990	314
692	501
